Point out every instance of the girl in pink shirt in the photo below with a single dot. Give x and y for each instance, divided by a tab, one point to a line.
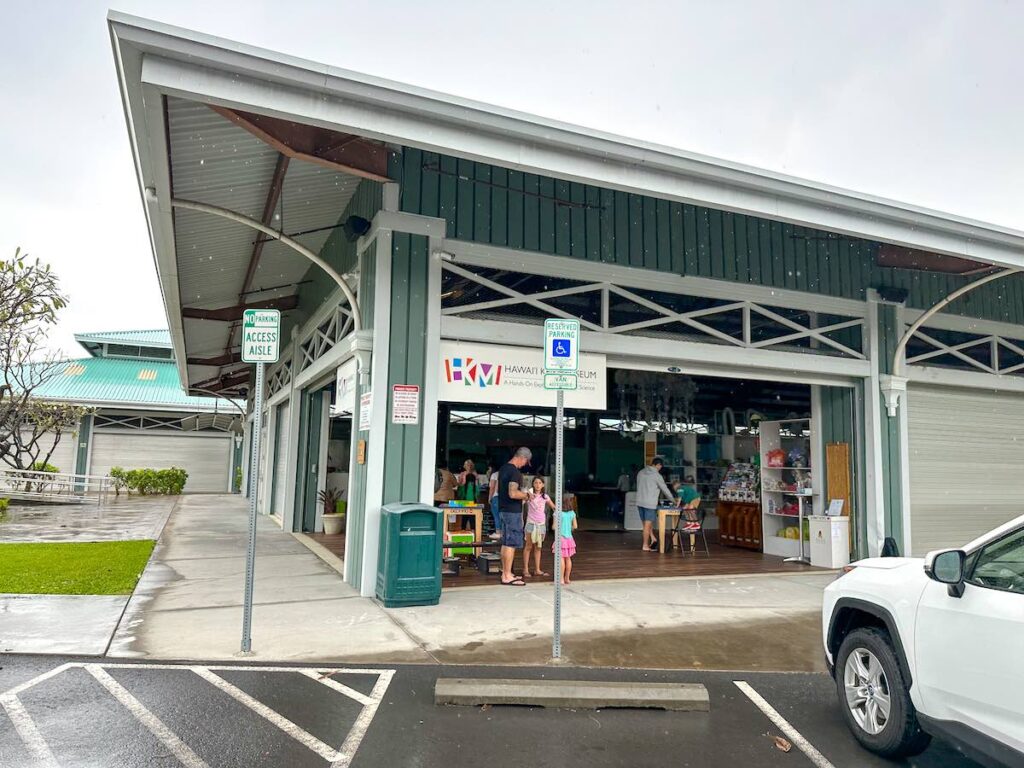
537	505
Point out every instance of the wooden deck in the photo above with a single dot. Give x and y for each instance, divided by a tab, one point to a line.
335	544
617	555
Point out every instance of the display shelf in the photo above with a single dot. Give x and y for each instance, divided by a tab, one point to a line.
776	445
780	547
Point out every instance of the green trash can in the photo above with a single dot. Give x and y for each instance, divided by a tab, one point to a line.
409	555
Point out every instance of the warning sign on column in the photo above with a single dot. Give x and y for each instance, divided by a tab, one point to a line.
405	404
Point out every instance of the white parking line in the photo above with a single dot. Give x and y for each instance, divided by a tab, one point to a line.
340	758
153	723
783	725
355	736
28	732
323	679
300	735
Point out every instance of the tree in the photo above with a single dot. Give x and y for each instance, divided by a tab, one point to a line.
30	298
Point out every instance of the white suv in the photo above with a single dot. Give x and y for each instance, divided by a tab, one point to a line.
933	646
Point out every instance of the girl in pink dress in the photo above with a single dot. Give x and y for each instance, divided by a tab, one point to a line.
537	505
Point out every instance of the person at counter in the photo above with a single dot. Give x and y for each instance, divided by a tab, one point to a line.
468	482
650	488
445	486
511	495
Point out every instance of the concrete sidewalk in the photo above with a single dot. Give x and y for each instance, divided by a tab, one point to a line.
188	606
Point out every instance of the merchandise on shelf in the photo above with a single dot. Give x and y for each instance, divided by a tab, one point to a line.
741	483
777	458
797	457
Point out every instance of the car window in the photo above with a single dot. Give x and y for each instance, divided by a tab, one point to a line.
1000	565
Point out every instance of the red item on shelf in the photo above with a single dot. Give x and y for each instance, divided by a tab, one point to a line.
777	458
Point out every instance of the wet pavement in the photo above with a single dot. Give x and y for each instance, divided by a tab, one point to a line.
188	605
79	713
119	518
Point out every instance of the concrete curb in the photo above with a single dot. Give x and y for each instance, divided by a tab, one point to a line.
572	694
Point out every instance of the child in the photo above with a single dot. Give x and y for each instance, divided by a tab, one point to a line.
568	524
688	499
537	505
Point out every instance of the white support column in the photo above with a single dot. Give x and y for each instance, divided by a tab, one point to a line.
246	447
904	415
321	470
875	502
818	503
905	547
290	441
378	417
431	374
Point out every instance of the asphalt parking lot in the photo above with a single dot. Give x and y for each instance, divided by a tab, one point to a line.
93	713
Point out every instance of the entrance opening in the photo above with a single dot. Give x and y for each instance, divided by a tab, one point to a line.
327	478
712	434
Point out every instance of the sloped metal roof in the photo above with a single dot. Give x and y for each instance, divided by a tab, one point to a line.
114	381
156	338
217	162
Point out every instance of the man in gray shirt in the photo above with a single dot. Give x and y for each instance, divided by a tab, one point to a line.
650	487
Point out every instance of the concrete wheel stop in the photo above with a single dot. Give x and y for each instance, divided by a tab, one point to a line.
572	694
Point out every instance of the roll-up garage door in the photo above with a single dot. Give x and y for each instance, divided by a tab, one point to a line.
281	432
206	458
966	464
64	453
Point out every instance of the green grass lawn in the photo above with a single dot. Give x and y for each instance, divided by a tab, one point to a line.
85	568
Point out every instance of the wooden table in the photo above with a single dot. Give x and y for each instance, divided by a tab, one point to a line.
663	513
453	514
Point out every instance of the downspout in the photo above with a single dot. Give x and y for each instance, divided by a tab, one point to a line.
895	385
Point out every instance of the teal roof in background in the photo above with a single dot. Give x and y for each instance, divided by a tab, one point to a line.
158	338
119	381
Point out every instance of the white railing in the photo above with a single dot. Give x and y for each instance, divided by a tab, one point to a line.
55	487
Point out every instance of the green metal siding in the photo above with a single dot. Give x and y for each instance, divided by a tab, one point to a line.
487	204
837	426
406	363
82	448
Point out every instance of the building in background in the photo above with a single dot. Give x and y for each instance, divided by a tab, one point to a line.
142	417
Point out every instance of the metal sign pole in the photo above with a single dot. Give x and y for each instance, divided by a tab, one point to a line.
556	643
254	487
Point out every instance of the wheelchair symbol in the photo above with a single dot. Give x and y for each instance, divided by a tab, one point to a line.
560	348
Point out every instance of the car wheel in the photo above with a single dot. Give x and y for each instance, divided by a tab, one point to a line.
873	696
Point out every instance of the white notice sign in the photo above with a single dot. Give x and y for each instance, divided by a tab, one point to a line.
261	335
561	345
560	381
405	404
493	374
365	411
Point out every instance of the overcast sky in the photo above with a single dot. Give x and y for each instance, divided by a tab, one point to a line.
914	100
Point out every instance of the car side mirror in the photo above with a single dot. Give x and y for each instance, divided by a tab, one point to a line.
947	567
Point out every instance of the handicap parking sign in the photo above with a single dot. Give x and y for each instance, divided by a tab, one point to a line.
561	344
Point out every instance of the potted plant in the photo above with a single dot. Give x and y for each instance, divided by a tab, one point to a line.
334	520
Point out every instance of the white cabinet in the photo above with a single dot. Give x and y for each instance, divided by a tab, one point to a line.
830	541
